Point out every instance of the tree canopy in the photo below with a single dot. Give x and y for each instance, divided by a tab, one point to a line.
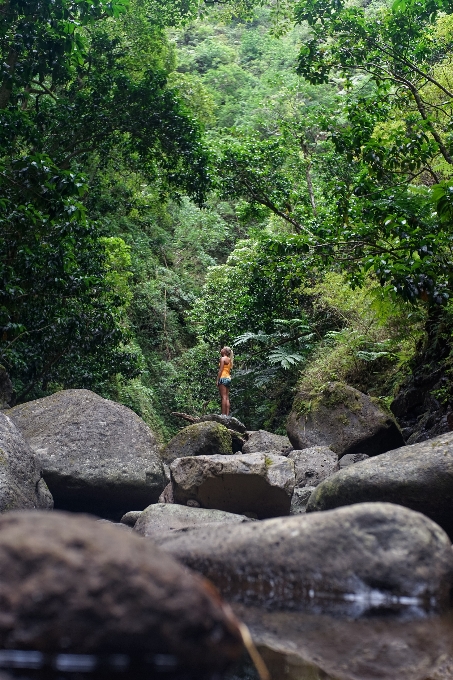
179	175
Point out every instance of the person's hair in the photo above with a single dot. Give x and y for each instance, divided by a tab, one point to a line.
230	354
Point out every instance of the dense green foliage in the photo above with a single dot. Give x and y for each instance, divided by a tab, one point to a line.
75	93
377	162
177	175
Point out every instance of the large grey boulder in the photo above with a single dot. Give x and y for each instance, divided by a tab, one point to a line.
418	476
258	483
344	419
377	552
96	455
21	483
160	519
69	583
313	465
199	439
260	440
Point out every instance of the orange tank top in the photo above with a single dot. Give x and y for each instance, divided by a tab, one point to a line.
226	370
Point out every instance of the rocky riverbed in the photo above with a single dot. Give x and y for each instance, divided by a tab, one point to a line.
335	553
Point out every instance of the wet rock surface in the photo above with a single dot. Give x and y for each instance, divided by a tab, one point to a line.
97	456
343	419
69	583
314	464
419	477
21	483
372	551
200	439
261	483
260	440
159	519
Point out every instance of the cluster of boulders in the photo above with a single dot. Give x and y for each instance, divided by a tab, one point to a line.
241	508
99	457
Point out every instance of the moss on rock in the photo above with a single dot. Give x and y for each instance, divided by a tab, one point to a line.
200	439
343	418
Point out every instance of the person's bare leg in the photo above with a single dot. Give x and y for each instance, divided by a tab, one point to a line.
225	401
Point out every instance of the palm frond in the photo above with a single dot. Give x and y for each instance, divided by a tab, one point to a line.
247	337
286	358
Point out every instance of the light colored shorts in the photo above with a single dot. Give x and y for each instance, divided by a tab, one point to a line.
225	381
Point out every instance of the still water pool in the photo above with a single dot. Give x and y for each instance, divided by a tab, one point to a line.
376	646
409	643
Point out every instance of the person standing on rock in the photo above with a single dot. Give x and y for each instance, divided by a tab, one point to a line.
224	378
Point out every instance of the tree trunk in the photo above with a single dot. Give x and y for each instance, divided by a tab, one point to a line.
7	85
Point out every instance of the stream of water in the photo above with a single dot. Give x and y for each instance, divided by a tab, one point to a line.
407	643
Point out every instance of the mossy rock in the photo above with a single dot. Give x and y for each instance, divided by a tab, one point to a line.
343	418
199	439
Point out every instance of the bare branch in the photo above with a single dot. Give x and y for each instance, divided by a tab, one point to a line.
45	90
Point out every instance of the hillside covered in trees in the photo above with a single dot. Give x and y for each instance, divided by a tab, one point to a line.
272	175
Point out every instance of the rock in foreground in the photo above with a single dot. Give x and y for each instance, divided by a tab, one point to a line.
199	439
97	456
21	484
365	550
159	519
419	477
72	584
256	483
344	419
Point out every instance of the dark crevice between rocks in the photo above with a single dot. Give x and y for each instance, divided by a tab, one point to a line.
423	404
244	494
92	503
